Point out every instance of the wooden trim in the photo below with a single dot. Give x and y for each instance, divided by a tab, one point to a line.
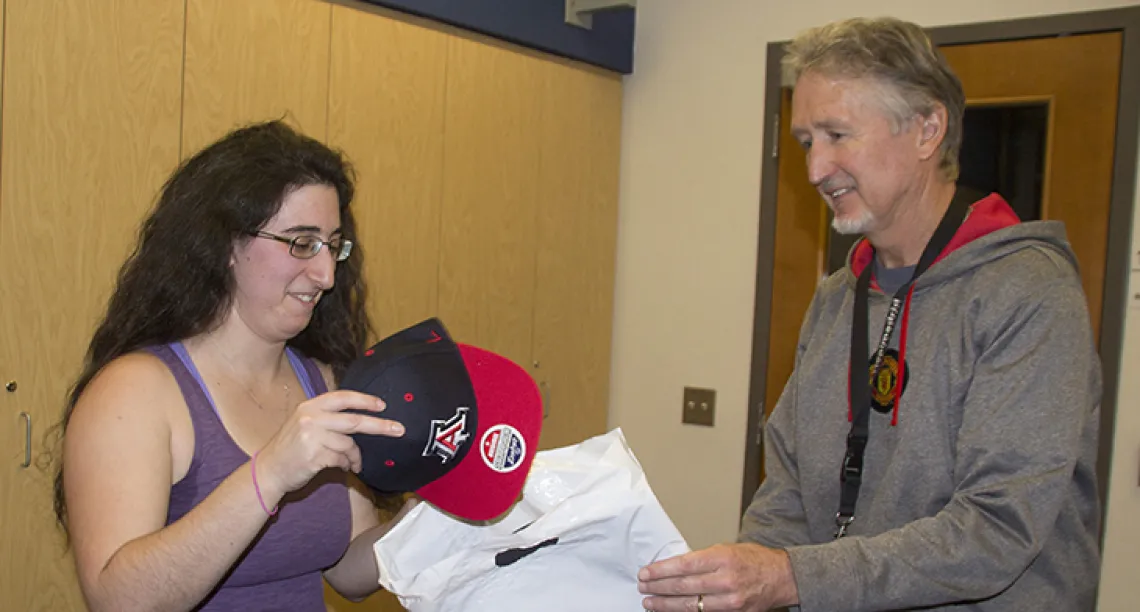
1117	265
1008	101
1048	26
765	256
1047	169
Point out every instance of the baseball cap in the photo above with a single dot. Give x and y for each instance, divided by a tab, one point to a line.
472	419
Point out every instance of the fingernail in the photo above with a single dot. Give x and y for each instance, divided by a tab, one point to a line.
380	404
397	429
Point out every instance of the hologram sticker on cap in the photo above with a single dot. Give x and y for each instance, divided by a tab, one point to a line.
447	436
502	448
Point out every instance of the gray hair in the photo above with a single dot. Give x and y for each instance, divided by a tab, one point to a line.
897	54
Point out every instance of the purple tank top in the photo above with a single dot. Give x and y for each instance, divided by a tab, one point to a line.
281	570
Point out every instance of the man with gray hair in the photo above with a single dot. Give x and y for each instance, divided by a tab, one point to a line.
935	446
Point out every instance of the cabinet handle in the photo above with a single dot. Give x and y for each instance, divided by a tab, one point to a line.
27	439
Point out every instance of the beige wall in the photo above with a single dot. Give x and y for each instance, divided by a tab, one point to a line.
688	220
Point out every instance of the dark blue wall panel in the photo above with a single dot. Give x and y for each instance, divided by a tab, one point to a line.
538	24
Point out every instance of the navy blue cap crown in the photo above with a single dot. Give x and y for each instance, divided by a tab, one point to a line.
421	376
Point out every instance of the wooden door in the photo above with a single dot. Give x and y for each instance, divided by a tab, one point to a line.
90	131
490	190
798	258
577	237
386	111
254	60
1077	77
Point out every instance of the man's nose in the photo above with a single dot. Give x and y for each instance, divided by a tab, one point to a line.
820	165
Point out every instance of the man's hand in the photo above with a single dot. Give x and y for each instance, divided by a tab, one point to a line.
726	577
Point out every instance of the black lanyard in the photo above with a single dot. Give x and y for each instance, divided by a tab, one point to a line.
859	379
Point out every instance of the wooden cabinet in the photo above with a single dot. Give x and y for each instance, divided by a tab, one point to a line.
490	197
90	130
487	196
575	249
254	60
386	112
529	221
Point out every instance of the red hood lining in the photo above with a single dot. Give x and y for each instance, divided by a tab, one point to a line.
987	215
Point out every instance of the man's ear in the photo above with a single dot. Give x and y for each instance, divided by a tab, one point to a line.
932	132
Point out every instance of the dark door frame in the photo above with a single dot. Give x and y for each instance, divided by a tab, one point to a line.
1124	20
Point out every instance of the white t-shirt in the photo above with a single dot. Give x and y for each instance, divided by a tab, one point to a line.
587	523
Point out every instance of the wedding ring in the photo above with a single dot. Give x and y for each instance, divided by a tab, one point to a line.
700	603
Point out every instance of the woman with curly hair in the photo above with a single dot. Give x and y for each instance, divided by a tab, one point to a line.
206	465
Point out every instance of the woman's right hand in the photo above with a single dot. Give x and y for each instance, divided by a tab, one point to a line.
318	435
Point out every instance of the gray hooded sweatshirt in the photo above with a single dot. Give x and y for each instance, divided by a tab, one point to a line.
983	494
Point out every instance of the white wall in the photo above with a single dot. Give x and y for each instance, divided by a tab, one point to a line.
687	242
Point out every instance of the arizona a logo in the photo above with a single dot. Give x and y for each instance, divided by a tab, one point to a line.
447	436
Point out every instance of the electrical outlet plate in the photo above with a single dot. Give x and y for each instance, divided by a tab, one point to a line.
698	406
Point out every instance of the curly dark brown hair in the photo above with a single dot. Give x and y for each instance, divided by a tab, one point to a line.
177	282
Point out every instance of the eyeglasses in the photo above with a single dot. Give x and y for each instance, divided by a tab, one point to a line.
307	246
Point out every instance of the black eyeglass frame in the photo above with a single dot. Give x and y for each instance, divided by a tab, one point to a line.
300	248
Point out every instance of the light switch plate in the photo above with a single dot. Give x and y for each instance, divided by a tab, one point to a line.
698	406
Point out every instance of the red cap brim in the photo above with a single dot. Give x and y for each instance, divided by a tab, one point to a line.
490	478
